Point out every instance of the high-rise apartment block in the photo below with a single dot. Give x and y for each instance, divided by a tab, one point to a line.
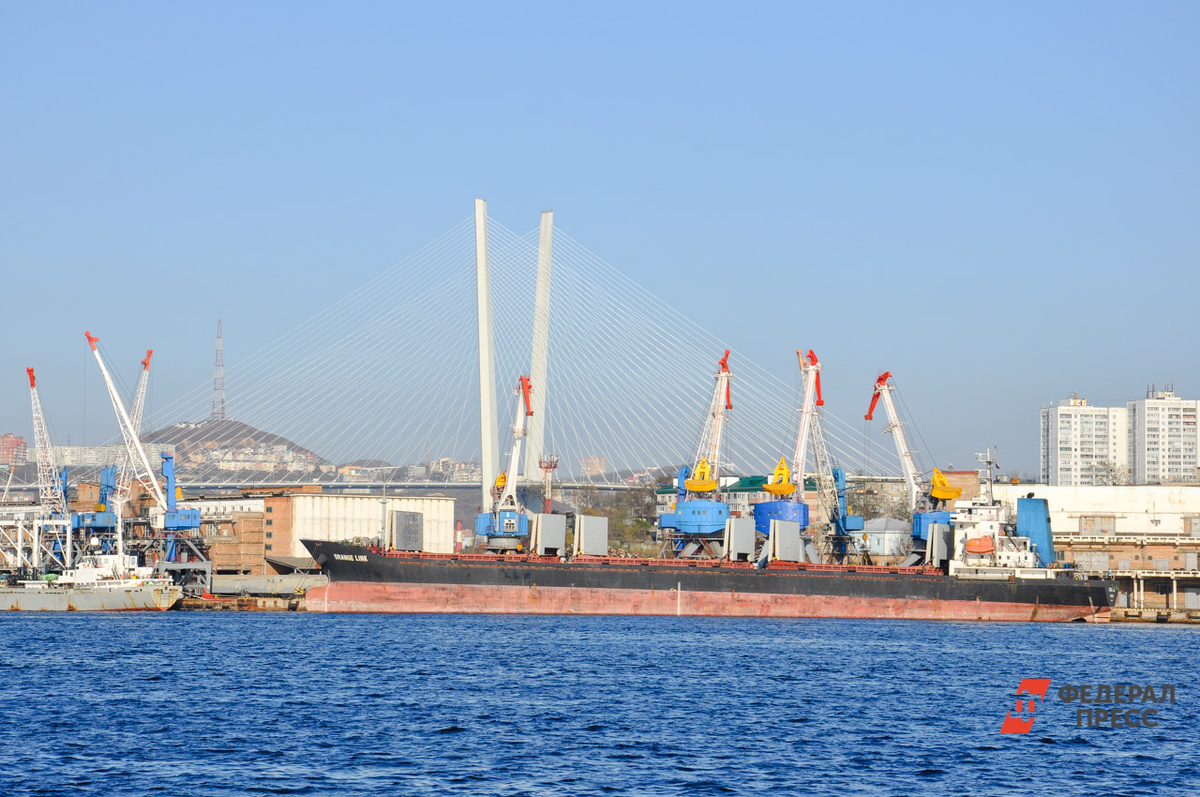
1148	441
1082	444
1162	438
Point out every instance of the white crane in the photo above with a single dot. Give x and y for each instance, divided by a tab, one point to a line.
503	527
133	444
807	412
831	481
706	472
127	470
883	389
940	489
810	430
51	490
508	493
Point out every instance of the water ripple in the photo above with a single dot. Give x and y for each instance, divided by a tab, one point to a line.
192	704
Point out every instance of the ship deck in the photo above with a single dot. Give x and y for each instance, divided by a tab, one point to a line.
631	561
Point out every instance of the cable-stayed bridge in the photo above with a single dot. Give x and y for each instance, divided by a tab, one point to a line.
391	372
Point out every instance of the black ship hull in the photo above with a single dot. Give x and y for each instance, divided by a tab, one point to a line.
368	580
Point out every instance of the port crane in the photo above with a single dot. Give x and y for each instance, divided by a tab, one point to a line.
706	474
129	434
127	471
506	524
54	525
939	489
173	518
788	484
791	482
116	481
831	481
839	545
699	515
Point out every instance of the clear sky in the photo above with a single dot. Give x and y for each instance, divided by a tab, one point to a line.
996	202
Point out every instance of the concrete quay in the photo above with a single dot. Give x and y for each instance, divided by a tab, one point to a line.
1124	615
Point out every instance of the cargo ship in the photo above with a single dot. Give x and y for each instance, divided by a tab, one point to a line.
101	583
369	579
975	563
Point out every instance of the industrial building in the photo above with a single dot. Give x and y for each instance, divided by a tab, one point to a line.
1146	537
260	532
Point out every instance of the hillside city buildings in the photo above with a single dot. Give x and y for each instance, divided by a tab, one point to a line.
1148	441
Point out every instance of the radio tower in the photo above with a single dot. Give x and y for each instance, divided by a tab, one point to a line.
218	407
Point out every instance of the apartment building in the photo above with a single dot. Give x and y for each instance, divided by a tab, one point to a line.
1083	444
1148	441
1162	440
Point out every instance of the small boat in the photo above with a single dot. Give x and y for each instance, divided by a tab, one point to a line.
100	583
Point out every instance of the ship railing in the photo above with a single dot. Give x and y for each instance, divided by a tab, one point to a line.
629	561
465	557
836	568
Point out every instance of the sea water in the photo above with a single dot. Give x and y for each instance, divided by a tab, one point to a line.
221	704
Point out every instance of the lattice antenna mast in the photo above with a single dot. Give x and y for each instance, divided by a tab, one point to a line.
128	469
714	425
50	487
218	401
133	445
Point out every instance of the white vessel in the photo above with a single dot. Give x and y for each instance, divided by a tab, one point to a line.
101	583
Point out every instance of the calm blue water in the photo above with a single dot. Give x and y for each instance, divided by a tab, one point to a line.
204	704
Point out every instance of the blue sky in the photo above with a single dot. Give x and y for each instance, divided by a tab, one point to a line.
995	202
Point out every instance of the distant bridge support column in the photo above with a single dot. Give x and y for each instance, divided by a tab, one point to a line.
489	435
535	446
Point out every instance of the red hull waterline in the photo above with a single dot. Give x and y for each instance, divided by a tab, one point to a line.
353	596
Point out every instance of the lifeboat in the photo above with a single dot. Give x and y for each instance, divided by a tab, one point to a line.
981	545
